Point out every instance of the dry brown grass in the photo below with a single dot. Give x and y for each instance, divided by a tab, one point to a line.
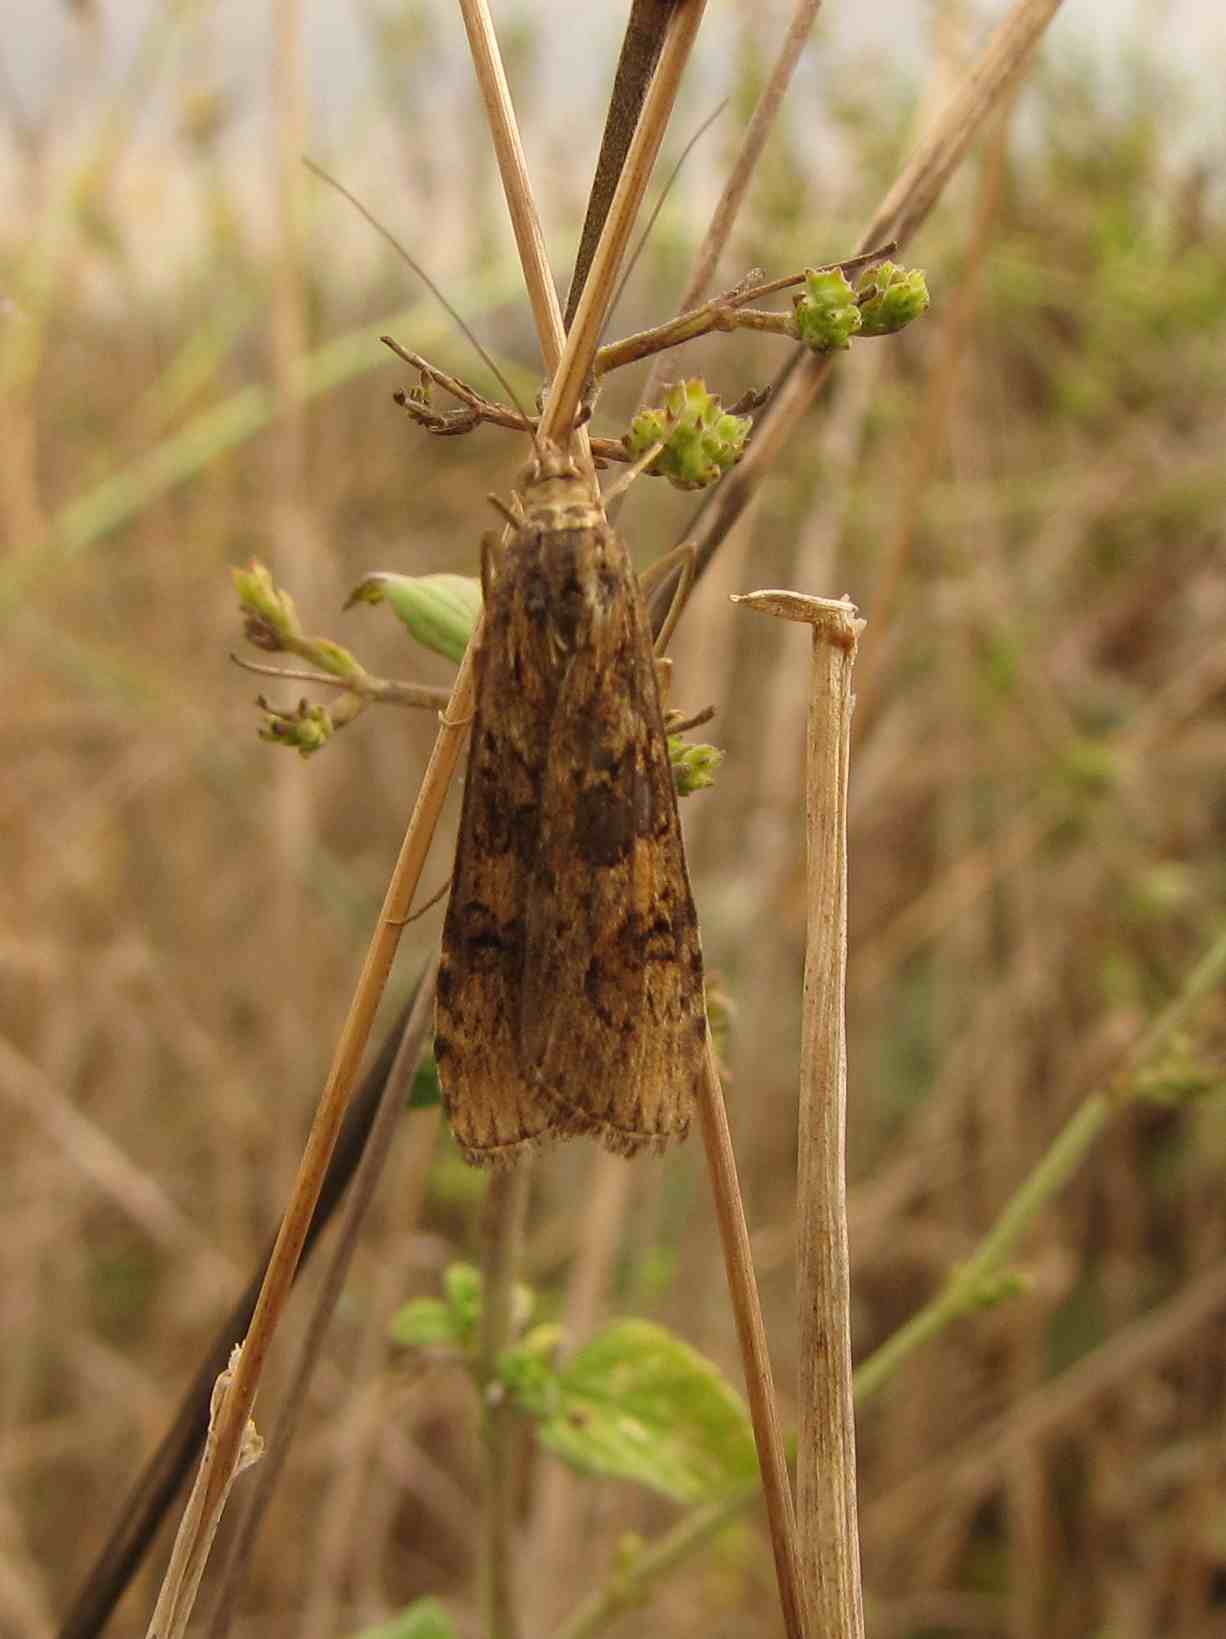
1025	497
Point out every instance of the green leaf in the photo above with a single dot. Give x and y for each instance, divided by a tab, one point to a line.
440	611
639	1404
423	1619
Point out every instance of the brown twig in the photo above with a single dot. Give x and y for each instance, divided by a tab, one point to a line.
899	215
155	1489
387	691
728	311
218	1467
755	1353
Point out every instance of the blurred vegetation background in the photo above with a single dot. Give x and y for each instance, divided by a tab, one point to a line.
1024	494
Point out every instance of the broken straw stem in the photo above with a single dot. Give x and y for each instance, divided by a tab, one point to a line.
826	1522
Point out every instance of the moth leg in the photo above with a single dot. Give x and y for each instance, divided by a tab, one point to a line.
491	556
403	921
513	513
684	557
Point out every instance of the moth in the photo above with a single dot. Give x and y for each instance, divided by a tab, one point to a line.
570	992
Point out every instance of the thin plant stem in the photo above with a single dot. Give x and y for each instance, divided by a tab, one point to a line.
625	1592
502	1233
218	1467
629	1587
559	1513
976	1281
900	214
584	336
728	208
370	1169
151	1496
725	312
640	52
747	1311
513	169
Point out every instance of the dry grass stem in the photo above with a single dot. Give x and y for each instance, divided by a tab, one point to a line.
198	1527
826	1511
413	1043
980	92
218	1466
736	188
584	335
513	168
903	209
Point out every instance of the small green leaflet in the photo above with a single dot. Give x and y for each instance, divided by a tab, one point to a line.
439	610
639	1404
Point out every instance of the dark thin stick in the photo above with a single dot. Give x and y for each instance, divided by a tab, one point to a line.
150	1499
234	1560
632	260
640	53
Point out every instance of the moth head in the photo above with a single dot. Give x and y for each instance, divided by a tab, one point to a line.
549	460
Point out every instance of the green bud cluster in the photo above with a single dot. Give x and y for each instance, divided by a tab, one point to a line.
693	765
305	730
890	297
830	311
701	439
826	316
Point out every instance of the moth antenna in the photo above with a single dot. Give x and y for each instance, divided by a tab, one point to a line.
324	176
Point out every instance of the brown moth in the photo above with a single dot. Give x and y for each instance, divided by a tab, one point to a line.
570	995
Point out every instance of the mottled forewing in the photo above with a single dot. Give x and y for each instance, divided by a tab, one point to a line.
613	1020
494	1109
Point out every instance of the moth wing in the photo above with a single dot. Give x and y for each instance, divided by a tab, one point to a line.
496	1112
613	1010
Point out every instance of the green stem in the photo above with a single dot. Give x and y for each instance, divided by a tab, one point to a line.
964	1291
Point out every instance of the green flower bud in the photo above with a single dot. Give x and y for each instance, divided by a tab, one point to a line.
701	440
306	730
826	316
272	620
693	765
891	297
